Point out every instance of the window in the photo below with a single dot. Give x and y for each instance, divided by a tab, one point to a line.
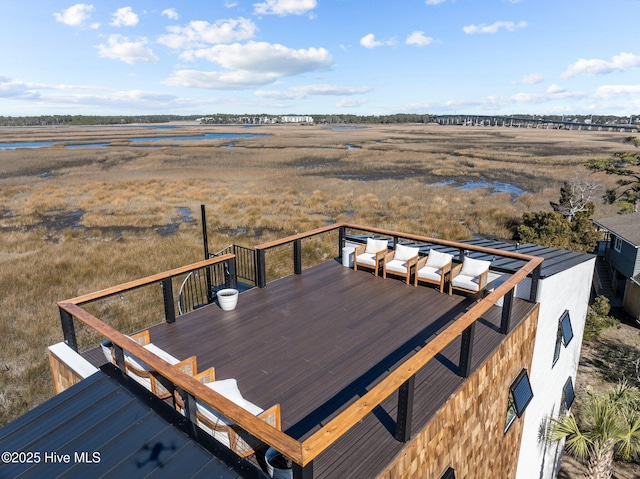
449	474
520	395
568	395
617	244
564	336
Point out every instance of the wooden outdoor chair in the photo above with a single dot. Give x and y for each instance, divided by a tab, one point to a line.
222	429
434	268
370	255
470	275
145	375
400	262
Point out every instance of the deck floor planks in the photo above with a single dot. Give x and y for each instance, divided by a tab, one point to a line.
316	341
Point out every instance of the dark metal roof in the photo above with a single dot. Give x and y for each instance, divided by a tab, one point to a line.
625	226
555	261
100	428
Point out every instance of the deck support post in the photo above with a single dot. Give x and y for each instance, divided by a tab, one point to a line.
232	278
341	240
460	254
405	409
297	256
466	351
169	307
302	472
205	244
68	330
535	277
261	271
507	307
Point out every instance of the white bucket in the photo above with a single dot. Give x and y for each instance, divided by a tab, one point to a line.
227	298
274	471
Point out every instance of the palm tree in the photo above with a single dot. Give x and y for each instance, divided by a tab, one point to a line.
608	425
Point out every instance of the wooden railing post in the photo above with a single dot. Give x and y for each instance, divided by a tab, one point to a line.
297	256
261	271
405	410
303	472
68	330
466	351
169	307
507	307
535	277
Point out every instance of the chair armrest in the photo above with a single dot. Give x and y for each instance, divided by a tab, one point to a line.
447	268
142	338
421	262
388	256
272	416
455	271
412	261
188	366
359	250
207	376
380	254
482	280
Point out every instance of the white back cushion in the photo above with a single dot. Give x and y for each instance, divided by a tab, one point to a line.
474	267
405	253
374	245
437	260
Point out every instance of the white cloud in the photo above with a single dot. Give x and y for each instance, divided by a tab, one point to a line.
419	39
555	89
300	92
612	91
124	17
435	2
16	89
233	80
620	62
250	65
493	28
262	57
284	7
170	13
199	33
74	16
123	49
350	103
369	41
532	79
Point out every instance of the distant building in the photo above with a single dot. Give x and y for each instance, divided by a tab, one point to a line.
296	119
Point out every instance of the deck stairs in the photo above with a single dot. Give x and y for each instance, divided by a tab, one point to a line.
602	283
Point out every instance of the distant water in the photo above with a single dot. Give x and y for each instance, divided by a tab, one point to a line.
495	186
107	144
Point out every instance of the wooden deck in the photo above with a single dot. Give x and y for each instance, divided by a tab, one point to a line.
316	341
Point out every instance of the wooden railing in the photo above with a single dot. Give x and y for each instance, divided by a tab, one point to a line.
400	380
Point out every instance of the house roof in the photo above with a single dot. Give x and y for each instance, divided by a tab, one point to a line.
109	428
626	227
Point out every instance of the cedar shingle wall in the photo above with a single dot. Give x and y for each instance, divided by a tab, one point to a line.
63	376
467	433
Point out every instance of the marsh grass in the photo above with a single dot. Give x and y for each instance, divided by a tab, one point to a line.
262	189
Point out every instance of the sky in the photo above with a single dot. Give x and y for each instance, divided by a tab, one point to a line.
308	57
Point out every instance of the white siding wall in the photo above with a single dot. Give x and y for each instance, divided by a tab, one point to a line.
568	290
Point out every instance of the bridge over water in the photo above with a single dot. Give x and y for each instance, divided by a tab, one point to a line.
511	121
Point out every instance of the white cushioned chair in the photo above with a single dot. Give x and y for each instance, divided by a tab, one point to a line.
434	268
400	261
370	255
142	373
470	276
222	429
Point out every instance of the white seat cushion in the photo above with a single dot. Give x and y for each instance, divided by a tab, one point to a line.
367	258
437	260
405	253
465	282
397	265
474	267
427	272
229	389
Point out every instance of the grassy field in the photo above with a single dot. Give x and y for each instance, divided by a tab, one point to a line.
74	221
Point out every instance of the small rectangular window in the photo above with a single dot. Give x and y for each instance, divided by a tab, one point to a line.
568	395
617	244
520	395
567	330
